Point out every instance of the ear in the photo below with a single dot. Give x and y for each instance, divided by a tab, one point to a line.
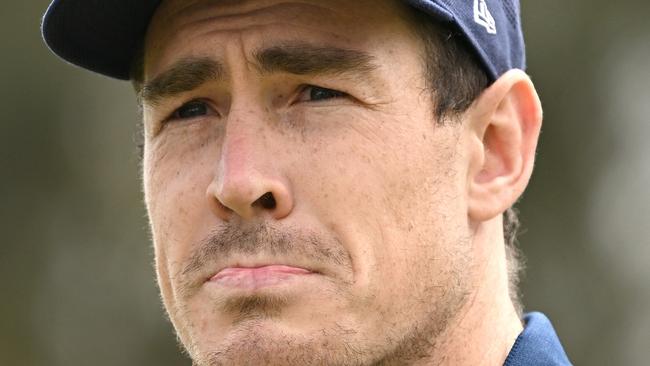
504	127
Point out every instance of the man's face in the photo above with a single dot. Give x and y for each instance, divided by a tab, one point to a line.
305	206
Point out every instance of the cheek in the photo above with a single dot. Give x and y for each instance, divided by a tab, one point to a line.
394	204
177	209
389	195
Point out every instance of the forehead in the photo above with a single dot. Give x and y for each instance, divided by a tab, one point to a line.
204	27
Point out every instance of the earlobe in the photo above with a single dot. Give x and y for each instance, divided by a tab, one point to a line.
504	129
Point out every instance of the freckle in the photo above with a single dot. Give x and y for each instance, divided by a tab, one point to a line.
424	137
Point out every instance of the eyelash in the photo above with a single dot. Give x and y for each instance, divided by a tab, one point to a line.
335	94
196	103
206	109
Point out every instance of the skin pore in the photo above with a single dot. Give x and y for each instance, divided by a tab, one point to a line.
300	133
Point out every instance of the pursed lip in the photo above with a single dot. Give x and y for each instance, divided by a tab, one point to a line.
251	277
274	268
279	265
251	264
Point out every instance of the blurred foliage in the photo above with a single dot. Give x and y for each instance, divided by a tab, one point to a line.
78	287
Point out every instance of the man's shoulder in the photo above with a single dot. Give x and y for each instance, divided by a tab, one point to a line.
537	345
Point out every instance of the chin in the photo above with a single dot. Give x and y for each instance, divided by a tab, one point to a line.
259	328
267	340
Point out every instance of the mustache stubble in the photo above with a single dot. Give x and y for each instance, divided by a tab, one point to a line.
231	240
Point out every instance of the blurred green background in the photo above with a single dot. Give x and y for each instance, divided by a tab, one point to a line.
77	286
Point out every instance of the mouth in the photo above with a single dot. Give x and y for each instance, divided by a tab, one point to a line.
253	278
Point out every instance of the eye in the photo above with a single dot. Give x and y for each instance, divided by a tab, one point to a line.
312	93
193	109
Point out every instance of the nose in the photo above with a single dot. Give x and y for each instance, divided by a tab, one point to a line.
247	183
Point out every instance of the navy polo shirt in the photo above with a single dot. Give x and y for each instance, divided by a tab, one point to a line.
537	345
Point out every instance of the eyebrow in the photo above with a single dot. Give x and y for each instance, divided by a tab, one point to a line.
185	75
298	59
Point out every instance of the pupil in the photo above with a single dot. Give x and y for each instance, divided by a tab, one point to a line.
322	93
192	110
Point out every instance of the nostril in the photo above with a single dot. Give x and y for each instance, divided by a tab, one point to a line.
267	201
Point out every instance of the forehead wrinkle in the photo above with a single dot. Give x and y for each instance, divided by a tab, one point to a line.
179	22
325	36
211	33
253	10
169	33
191	18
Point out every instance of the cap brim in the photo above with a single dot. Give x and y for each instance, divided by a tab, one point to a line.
98	35
104	36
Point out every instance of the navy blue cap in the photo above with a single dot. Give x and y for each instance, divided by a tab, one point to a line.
104	36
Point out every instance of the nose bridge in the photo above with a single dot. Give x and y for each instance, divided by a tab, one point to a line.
247	181
240	152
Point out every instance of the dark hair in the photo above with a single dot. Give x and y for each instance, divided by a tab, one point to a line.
455	77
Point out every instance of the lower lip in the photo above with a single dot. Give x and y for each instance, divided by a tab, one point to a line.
257	277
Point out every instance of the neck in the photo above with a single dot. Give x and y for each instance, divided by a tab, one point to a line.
487	326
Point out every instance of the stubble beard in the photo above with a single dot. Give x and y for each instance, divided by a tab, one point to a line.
407	343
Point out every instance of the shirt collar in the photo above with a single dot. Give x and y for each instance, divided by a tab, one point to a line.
537	345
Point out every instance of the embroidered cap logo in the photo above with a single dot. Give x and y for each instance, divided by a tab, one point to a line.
483	17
